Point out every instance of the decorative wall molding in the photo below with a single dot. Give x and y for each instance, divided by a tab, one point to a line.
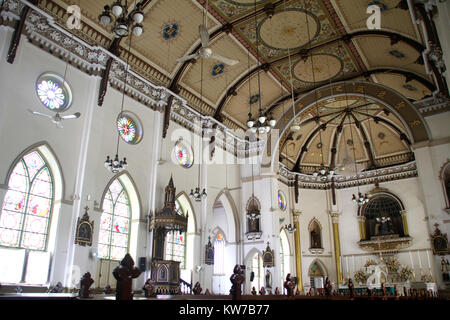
305	181
432	105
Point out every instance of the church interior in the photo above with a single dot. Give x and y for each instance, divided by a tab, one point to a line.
207	149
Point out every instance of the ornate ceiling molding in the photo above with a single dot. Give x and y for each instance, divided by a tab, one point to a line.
305	181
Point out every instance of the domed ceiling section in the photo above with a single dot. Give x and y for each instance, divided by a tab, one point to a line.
355	127
300	44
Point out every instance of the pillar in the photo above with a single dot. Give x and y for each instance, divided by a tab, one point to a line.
298	250
362	227
337	245
405	224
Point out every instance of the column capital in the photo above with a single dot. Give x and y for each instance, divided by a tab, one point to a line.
335	216
296	214
402	212
361	218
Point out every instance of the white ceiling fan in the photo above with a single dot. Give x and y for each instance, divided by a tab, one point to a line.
56	119
205	51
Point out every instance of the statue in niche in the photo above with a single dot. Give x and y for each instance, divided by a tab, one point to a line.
439	242
124	274
268	279
85	283
315	239
237	278
445	267
85	229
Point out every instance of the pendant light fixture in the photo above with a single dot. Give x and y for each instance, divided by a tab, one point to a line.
198	195
262	124
116	165
124	20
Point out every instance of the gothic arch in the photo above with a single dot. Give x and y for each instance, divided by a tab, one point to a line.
320	265
186	201
53	162
417	129
444	176
315	240
231	213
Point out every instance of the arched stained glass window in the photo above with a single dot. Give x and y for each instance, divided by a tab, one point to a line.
54	92
281	201
129	128
183	154
219	254
114	223
175	245
26	211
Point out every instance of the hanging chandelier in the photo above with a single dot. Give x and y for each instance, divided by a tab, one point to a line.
290	228
196	195
262	124
124	21
323	173
116	165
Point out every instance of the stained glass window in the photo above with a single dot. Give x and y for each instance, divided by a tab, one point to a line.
114	223
281	201
176	242
183	154
129	128
219	254
176	247
54	92
26	211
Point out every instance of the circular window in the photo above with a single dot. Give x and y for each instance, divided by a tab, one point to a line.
54	92
183	154
281	201
129	127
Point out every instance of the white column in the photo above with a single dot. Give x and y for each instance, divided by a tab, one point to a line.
79	180
154	162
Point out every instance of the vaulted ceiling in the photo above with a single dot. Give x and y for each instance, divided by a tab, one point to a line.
299	43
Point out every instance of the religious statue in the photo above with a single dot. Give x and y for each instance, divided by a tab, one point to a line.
445	267
85	283
262	291
57	289
297	292
107	289
237	278
197	289
350	288
254	291
124	274
148	288
311	292
207	293
277	291
315	239
327	287
268	280
289	285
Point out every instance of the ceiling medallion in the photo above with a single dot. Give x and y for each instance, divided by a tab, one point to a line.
409	87
381	135
170	31
287	29
326	67
218	69
245	2
397	54
254	99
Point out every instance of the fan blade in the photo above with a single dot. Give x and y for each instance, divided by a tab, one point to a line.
40	114
72	116
204	35
228	61
187	58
